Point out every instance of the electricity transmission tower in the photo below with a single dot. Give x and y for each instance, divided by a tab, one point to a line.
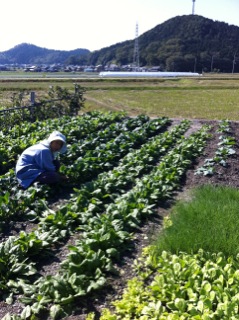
193	9
136	50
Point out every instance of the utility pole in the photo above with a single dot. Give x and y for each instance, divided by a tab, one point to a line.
136	50
193	9
234	62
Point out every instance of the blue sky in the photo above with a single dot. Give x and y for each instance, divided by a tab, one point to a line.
95	24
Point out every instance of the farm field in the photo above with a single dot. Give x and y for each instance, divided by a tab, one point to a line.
62	247
69	251
211	97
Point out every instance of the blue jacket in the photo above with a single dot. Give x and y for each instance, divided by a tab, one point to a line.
33	161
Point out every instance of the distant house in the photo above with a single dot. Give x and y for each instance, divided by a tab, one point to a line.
3	67
89	69
99	68
154	69
32	69
112	67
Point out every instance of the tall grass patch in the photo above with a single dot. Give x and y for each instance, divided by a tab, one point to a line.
192	103
210	221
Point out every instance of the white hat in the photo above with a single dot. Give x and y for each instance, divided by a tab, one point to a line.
56	135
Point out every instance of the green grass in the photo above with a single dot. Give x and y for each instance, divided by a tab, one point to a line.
210	97
210	221
217	104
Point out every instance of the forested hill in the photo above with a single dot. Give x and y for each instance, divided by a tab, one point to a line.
183	43
26	53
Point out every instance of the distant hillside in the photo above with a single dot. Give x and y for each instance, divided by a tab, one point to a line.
30	54
183	43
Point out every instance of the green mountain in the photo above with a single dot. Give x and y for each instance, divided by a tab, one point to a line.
30	54
183	43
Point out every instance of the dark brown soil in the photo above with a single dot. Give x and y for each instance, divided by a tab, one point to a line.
227	176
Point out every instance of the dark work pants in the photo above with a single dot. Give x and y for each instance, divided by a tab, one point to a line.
50	177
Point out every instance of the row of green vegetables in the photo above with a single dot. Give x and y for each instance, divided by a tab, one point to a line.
88	135
179	286
87	165
105	224
20	137
224	150
85	168
183	286
160	144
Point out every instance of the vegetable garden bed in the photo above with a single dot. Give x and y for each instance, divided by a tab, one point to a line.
68	250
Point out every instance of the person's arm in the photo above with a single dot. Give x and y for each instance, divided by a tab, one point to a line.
44	160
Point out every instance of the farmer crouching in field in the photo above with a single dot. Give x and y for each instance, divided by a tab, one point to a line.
37	163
